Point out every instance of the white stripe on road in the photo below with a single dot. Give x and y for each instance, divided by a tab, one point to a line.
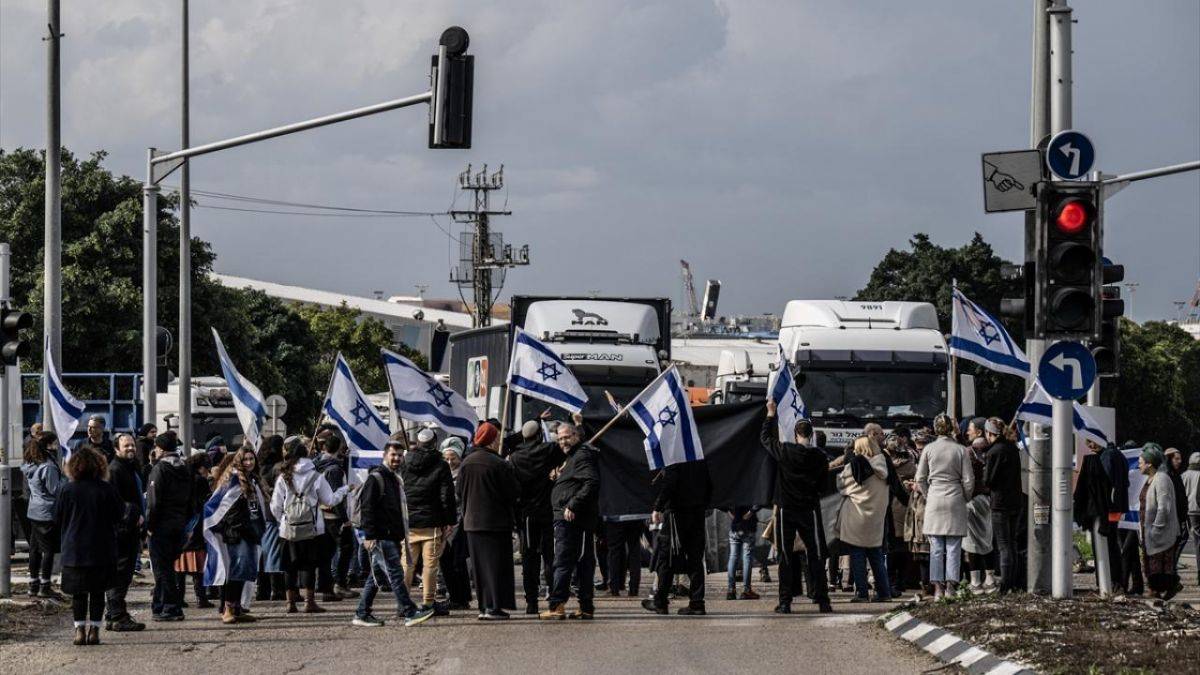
898	620
941	644
917	632
969	657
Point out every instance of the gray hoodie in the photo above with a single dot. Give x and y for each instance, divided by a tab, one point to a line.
42	481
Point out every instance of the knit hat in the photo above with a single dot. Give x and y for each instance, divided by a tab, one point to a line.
425	436
992	428
1153	454
1194	460
530	429
166	442
455	445
485	434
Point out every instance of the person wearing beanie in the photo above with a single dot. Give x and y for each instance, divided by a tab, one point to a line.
169	506
1191	487
488	490
454	554
1159	522
532	460
432	510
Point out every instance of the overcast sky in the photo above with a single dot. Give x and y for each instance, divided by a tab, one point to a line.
780	146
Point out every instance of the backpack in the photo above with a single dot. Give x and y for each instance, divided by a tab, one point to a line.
354	502
299	522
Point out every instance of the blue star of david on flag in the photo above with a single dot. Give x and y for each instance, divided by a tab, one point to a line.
789	407
977	336
361	414
441	397
419	397
667	416
549	371
364	430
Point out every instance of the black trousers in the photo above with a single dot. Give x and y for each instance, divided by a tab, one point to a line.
347	548
624	554
165	547
1131	562
807	524
1004	528
327	543
41	550
87	606
128	550
574	557
682	536
454	569
537	556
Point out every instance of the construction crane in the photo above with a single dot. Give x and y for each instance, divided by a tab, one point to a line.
1195	303
689	291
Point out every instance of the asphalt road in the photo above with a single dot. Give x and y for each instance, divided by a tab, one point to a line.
736	637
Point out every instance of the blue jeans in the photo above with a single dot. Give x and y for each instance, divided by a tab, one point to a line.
385	555
741	545
945	558
859	557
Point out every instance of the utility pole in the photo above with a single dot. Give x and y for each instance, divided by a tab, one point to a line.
477	250
52	264
1063	431
6	451
1038	487
185	258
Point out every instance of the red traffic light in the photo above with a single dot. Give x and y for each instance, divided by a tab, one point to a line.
1073	216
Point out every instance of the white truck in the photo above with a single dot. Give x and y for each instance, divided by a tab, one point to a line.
862	362
212	410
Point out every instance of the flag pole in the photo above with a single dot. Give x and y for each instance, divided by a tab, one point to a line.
508	386
952	385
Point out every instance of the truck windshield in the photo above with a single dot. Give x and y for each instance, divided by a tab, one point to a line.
874	395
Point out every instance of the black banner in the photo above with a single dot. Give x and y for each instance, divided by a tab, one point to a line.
742	471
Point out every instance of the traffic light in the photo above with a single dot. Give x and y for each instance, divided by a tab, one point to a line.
1069	273
12	322
1020	308
1107	348
452	76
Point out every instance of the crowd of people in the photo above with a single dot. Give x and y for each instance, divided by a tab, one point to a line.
285	522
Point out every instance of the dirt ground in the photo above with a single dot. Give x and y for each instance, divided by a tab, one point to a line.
22	620
1083	635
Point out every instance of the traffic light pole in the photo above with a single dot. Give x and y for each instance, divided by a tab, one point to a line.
52	265
1038	473
5	452
1062	420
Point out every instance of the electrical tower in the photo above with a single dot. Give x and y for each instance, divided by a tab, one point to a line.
482	250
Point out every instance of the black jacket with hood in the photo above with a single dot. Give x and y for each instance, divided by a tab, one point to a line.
578	487
382	510
800	469
533	460
333	468
169	498
429	488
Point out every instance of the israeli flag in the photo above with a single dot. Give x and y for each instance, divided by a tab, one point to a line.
365	431
663	413
1038	409
978	336
66	411
418	396
789	407
247	398
538	372
216	565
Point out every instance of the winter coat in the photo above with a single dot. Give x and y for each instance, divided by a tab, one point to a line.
945	476
487	490
686	486
125	476
533	460
1117	468
865	508
104	447
1160	523
169	496
429	488
1092	489
201	491
382	505
1002	477
316	492
1191	487
42	482
905	470
87	513
800	470
1181	500
332	468
578	487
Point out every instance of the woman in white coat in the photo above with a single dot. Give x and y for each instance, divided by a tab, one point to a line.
1160	524
861	520
945	477
301	554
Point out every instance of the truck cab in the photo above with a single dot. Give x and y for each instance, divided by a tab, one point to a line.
861	362
213	411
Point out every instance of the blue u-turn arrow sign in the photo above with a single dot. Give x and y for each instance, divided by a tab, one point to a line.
1067	370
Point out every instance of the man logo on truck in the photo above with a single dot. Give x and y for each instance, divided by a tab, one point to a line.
584	318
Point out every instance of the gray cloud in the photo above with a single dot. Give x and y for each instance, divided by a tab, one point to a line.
780	146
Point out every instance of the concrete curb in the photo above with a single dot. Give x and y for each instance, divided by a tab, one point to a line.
949	648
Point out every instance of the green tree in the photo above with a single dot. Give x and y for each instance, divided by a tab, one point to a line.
925	273
1158	393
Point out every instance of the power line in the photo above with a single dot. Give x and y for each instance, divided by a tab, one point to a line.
320	207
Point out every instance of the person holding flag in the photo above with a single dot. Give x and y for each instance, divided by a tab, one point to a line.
575	500
799	474
234	520
247	398
788	404
419	397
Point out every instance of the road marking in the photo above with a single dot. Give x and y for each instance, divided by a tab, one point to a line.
940	644
918	631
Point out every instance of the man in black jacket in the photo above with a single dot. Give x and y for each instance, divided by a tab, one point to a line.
799	473
95	438
1002	476
337	543
169	510
125	475
682	498
575	499
533	459
381	502
432	509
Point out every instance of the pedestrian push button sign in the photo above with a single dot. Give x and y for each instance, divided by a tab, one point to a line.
1067	370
